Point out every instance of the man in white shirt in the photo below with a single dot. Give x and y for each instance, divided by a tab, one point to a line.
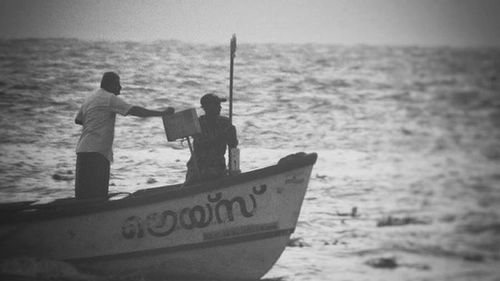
95	147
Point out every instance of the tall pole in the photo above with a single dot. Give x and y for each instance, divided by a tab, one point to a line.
231	70
232	54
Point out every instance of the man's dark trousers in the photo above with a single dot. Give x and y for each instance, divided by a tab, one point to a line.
92	175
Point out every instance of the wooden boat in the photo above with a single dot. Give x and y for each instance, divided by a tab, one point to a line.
231	228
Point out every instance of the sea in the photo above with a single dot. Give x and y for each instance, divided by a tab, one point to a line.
407	182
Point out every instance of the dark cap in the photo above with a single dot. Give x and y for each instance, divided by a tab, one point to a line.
109	77
211	99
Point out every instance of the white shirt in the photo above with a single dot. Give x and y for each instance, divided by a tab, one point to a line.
98	114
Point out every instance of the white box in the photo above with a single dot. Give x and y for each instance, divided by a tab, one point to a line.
181	124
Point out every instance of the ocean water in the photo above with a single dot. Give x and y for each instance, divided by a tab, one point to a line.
407	183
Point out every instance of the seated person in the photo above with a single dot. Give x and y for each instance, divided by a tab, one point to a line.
217	133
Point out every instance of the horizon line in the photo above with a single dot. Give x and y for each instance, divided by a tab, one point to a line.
243	42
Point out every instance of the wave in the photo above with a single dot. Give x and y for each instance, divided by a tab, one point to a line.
24	87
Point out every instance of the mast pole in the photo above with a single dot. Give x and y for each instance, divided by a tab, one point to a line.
232	54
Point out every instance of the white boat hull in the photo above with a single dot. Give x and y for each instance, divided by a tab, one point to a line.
226	229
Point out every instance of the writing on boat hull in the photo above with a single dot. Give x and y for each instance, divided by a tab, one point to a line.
216	210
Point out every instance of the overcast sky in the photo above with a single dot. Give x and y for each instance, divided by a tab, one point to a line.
401	22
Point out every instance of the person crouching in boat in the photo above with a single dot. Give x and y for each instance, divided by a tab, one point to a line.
94	150
217	133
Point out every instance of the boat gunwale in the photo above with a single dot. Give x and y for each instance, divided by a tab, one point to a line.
73	208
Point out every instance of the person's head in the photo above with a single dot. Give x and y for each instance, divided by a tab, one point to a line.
111	83
211	104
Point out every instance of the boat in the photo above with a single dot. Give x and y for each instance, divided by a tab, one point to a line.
233	228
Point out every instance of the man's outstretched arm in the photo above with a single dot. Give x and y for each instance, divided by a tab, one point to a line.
144	112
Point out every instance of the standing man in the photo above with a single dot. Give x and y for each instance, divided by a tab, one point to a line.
94	150
217	133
